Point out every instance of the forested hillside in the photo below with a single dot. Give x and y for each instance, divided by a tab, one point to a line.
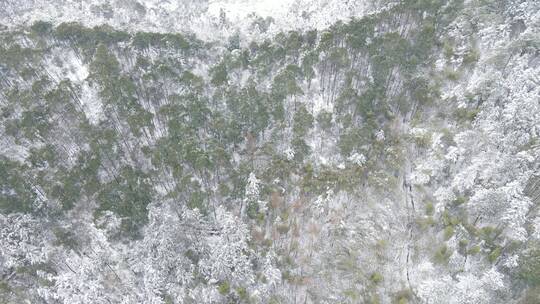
391	157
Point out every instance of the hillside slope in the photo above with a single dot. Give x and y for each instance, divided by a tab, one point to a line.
171	152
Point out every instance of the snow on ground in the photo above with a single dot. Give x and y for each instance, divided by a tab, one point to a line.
199	17
67	65
91	103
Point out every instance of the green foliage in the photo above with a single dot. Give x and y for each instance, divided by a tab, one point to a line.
105	68
196	135
448	50
376	278
107	35
460	200
43	157
66	238
253	210
219	74
351	140
488	234
197	200
87	38
4	288
466	114
234	42
242	293
422	5
146	40
293	42
300	148
474	250
127	195
251	109
451	74
263	23
426	222
430	209
403	296
224	288
308	62
303	121
35	123
529	268
372	299
388	51
15	56
324	120
16	193
423	44
167	299
442	254
41	28
358	31
352	294
422	91
327	40
462	246
448	219
448	232
367	105
71	184
471	57
285	83
531	296
73	31
283	228
338	58
494	254
68	190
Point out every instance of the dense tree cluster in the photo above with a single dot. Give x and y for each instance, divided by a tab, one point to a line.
373	161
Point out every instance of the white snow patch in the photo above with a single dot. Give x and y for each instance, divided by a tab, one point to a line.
91	104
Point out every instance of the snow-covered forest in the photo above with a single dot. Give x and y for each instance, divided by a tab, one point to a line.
291	151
